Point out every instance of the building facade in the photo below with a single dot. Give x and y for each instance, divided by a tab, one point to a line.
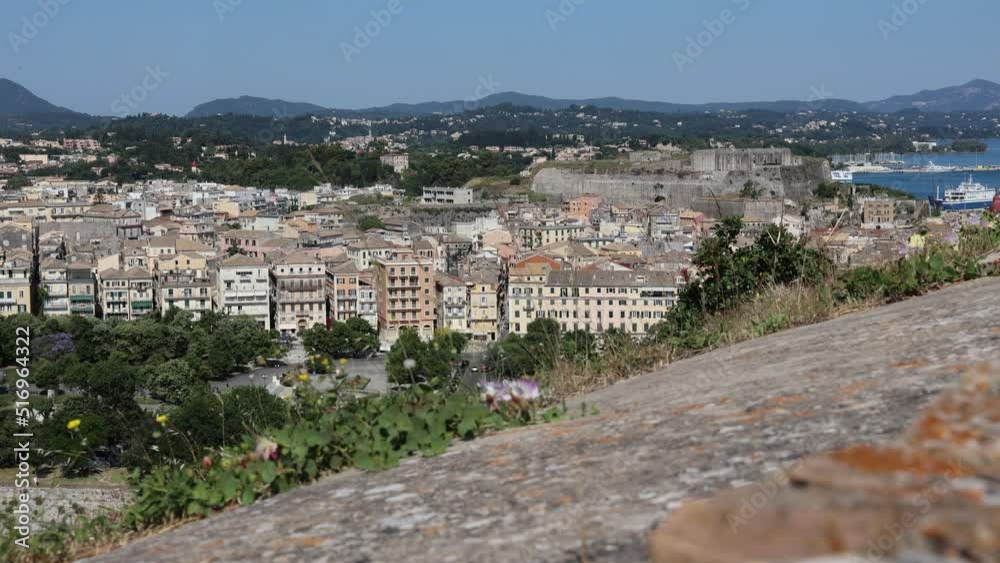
406	299
298	293
243	288
596	301
126	295
15	283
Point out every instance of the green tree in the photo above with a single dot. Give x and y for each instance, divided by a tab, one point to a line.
411	360
174	381
370	222
18	181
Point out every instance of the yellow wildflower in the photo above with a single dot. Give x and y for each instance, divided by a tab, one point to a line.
162	419
343	361
303	377
73	424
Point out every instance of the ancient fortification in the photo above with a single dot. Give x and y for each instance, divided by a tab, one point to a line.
698	182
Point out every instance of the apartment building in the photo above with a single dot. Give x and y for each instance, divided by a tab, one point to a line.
351	293
187	290
447	196
370	248
452	303
596	301
879	213
406	299
581	207
126	295
484	306
68	287
525	288
16	268
534	236
243	288
298	293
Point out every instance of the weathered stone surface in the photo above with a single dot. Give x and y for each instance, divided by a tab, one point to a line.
592	488
934	494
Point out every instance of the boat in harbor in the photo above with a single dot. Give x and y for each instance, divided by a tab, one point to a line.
936	169
968	195
842	176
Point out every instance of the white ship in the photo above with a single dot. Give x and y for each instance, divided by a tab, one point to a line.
843	176
968	195
934	168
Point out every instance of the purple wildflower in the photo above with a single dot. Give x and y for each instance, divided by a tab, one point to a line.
51	346
525	390
494	392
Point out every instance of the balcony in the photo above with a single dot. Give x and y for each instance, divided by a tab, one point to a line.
142	305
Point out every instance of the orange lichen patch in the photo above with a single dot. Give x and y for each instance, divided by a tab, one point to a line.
565	499
688	408
534	493
786	399
723	400
309	541
849	391
933	427
499	461
434	530
805	414
560	431
609	439
910	365
872	459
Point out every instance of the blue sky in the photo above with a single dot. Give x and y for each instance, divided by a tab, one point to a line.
92	52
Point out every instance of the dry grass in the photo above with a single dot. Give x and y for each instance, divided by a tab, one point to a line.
776	309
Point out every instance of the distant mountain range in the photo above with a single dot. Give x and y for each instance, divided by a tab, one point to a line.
263	107
977	95
18	100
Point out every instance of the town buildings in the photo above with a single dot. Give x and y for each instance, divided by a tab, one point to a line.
16	270
298	283
448	196
405	285
243	288
398	161
127	295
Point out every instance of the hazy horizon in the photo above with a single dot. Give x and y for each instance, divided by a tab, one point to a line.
371	53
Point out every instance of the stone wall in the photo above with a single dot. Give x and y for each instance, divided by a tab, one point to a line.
718	208
57	504
682	189
729	160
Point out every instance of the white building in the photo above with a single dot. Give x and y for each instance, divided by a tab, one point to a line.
447	196
243	288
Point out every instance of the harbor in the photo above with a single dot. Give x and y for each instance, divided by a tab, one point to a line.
928	175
